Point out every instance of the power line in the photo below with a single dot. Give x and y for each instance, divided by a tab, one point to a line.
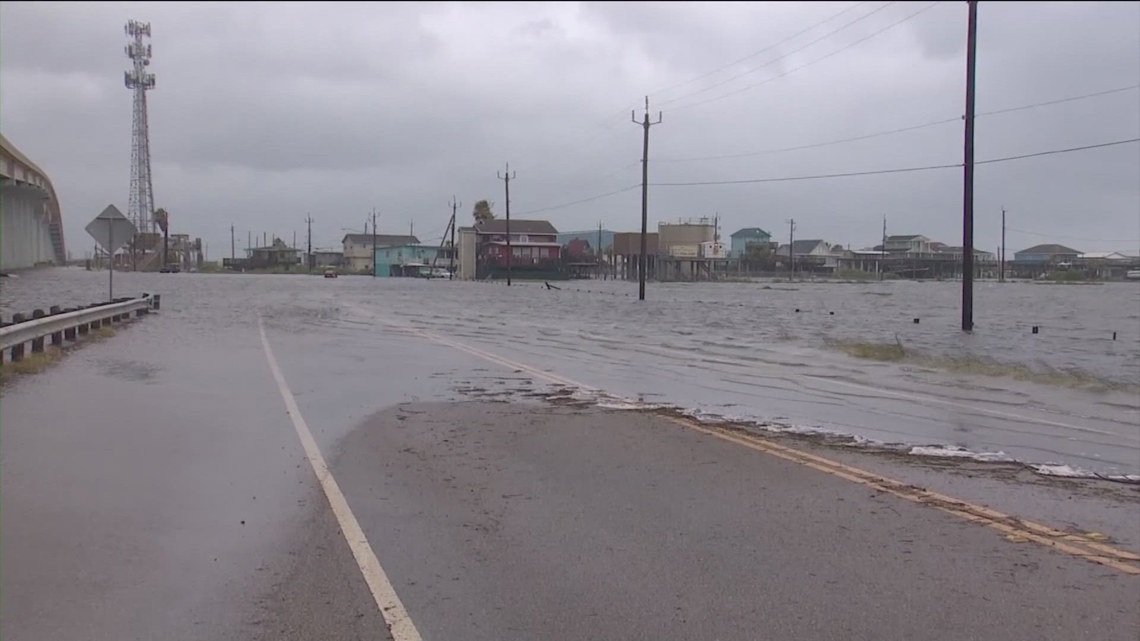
895	170
584	200
900	130
777	59
1059	151
761	51
1058	101
808	64
825	176
605	129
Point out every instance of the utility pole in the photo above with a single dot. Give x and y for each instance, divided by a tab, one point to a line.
968	172
716	243
506	178
1001	254
791	249
248	243
642	259
598	254
454	249
883	250
373	259
294	239
233	244
309	255
412	228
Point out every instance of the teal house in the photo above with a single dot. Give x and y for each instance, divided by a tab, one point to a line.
407	260
742	238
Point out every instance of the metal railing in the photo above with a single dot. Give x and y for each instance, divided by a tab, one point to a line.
67	325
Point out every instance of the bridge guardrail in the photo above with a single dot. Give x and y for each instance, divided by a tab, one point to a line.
68	325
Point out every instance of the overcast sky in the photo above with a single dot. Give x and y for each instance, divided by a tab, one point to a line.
264	112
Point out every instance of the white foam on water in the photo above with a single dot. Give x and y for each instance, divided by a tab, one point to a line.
951	451
1068	471
604	400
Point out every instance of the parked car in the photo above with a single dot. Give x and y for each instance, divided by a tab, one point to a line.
330	272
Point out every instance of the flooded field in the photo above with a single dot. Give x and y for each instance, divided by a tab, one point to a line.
782	355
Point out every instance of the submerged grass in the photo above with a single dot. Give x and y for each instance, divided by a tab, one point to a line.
37	362
975	365
30	364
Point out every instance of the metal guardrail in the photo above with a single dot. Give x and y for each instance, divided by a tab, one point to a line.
68	325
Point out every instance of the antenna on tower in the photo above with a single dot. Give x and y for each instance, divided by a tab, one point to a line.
140	208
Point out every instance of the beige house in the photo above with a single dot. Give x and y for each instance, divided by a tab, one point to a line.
359	251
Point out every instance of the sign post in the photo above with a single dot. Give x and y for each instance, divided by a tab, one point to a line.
111	230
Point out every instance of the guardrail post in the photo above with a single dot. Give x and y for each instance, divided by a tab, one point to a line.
17	352
56	337
38	343
69	332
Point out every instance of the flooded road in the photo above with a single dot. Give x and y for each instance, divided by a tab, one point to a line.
154	485
752	353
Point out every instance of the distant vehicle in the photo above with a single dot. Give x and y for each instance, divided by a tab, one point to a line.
330	272
1133	274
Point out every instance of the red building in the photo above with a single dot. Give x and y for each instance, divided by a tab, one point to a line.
534	245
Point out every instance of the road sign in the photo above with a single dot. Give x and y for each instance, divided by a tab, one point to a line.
111	229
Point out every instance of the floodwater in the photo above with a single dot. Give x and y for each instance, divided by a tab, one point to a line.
753	352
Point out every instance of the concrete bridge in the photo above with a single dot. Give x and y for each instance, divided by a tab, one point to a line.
31	226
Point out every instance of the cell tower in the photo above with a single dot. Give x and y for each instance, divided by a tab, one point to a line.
140	208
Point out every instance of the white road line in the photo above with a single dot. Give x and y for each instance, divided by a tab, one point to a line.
399	623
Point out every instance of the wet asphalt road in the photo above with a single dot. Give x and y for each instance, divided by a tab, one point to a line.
154	488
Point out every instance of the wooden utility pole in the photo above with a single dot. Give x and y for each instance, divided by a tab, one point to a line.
642	259
248	243
309	242
968	172
373	261
454	250
1001	254
598	253
506	178
450	229
791	249
233	244
883	250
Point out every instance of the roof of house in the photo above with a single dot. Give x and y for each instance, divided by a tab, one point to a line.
382	240
1049	249
499	226
1105	256
905	238
750	231
805	246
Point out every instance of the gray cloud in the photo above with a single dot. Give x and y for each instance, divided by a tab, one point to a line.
264	112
